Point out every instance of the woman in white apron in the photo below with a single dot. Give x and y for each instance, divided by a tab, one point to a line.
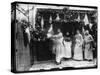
67	46
78	52
88	54
58	47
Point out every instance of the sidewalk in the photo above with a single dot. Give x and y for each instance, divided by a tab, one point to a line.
47	65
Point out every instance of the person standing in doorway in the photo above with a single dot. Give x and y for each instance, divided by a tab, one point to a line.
88	54
78	52
58	47
67	46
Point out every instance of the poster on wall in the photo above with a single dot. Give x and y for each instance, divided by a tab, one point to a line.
53	37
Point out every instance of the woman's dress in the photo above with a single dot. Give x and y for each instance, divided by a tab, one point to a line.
58	47
78	52
88	54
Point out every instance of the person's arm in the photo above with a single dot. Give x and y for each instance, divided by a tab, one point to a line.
90	41
90	38
57	35
49	35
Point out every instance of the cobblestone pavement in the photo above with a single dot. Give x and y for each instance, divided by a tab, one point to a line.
47	65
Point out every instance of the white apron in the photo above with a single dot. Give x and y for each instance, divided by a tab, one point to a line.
67	49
